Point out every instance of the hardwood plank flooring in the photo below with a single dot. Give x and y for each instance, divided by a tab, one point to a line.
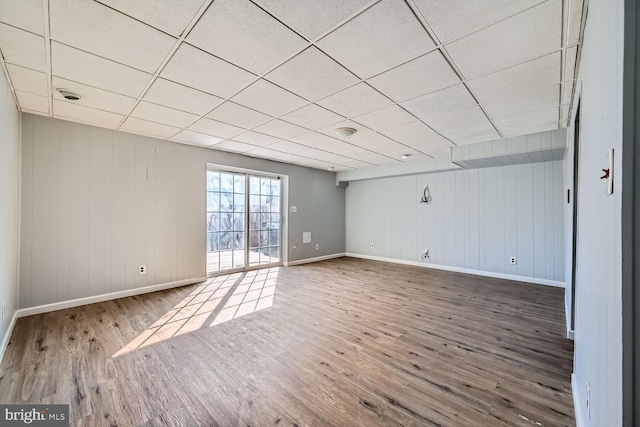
344	342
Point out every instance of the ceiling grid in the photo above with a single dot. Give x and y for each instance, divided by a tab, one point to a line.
413	77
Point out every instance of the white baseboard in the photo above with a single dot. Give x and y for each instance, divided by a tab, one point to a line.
316	259
462	270
7	335
576	402
30	311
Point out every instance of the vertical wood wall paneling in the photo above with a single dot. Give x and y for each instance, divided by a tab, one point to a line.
64	226
45	212
100	212
25	288
130	275
118	213
478	219
558	215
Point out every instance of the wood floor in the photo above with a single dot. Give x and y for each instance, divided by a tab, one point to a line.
343	342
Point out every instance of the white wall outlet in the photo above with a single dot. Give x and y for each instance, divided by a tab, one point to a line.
372	245
513	260
142	269
293	209
317	246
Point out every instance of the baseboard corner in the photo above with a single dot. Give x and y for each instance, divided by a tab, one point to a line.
7	335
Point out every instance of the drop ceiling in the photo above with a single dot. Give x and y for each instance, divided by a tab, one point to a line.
274	78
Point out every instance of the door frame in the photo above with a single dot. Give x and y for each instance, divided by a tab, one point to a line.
284	218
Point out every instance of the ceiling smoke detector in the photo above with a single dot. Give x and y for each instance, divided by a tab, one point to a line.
68	94
345	132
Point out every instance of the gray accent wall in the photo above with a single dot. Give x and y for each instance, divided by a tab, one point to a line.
477	219
98	203
9	202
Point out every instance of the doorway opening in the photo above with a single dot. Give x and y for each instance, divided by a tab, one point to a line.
244	221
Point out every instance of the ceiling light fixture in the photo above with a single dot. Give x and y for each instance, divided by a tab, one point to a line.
405	156
68	94
330	168
345	132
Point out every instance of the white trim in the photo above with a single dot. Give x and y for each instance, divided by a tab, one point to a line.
462	270
7	335
316	259
30	311
576	402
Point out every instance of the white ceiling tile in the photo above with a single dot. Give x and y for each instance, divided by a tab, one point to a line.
160	114
385	118
328	157
22	48
570	70
266	153
544	71
525	36
196	138
195	68
170	16
422	75
84	114
457	119
235	146
437	150
268	98
353	163
414	155
482	130
320	141
450	99
95	28
514	124
369	140
289	147
575	21
354	152
312	75
215	128
29	101
355	101
388	147
243	34
414	134
256	138
385	35
312	17
27	80
537	128
180	97
280	129
380	160
312	117
26	14
96	71
524	102
145	127
451	20
94	97
238	115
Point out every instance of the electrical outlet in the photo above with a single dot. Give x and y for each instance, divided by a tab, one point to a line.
372	245
512	260
317	246
142	269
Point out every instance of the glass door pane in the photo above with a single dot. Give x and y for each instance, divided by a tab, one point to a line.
264	220
226	209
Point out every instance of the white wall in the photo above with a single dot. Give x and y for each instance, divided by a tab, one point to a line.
598	332
477	220
98	203
9	201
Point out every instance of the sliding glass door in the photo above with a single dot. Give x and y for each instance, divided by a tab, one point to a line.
243	221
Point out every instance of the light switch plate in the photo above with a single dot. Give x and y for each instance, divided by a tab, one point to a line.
609	166
306	237
294	209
